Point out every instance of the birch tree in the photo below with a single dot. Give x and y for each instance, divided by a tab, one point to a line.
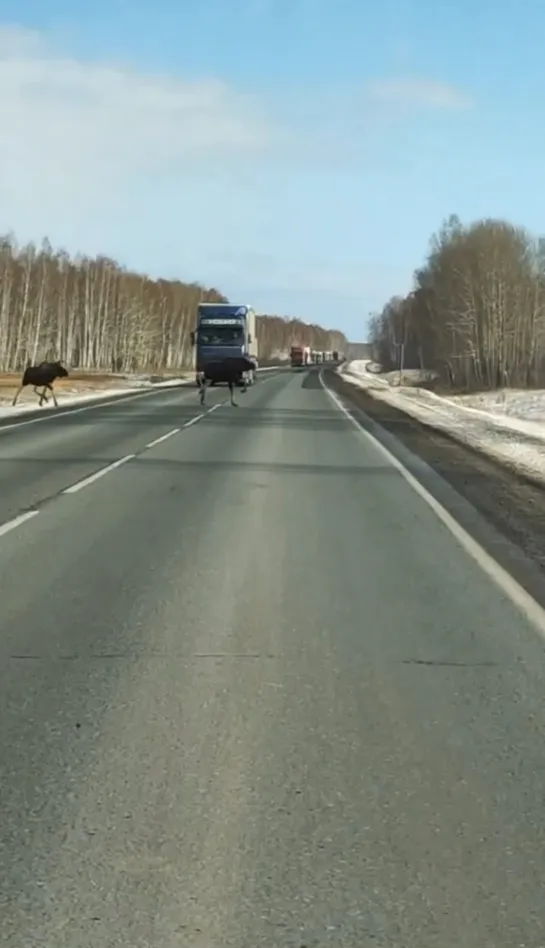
96	315
477	311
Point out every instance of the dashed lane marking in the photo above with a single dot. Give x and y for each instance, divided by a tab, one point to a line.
193	421
164	437
17	521
112	401
87	481
95	477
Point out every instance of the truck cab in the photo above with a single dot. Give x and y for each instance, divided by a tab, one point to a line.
224	331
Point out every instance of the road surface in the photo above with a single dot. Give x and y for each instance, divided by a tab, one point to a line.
252	692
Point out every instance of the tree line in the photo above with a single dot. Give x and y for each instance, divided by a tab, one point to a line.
476	313
92	313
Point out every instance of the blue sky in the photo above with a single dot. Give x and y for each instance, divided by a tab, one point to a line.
297	154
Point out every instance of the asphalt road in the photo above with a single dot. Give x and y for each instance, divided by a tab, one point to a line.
252	692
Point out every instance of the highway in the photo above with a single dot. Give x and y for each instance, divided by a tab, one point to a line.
253	692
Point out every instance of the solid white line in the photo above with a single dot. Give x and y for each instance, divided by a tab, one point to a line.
524	602
163	437
94	477
17	521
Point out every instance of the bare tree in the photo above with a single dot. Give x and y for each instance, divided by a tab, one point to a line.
477	311
93	314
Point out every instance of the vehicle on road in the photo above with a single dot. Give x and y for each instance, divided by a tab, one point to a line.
300	356
225	331
296	357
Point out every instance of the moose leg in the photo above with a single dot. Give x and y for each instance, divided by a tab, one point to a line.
17	393
42	396
55	402
202	386
232	393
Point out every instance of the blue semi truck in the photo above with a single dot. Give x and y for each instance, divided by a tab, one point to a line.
224	331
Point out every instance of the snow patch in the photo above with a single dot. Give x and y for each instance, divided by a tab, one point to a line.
508	425
76	398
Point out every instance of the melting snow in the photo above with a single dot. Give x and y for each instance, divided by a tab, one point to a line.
509	424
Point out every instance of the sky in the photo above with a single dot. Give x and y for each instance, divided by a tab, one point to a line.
296	154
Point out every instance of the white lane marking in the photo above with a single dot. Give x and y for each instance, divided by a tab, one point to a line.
522	599
17	521
115	400
163	437
107	403
193	421
94	477
87	481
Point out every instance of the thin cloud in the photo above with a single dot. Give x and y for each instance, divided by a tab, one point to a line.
76	127
418	93
103	157
76	130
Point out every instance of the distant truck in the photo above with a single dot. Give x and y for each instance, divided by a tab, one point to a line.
224	331
300	356
297	357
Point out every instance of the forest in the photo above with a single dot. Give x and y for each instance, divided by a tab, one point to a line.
93	314
476	313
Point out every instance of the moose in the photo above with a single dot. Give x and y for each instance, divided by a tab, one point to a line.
42	376
229	370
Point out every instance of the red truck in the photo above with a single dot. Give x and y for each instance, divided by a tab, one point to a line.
297	357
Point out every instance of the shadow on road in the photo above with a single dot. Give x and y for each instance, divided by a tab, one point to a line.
286	418
173	416
147	459
312	380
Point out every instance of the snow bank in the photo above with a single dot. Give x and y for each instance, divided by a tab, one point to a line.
509	403
137	385
506	425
